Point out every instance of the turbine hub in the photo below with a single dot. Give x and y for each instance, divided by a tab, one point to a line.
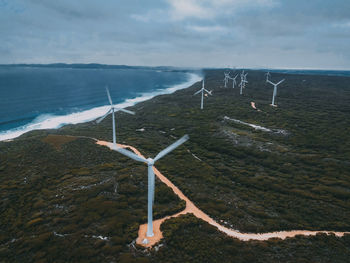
150	161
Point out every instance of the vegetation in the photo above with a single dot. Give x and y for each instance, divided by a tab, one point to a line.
192	240
60	193
75	204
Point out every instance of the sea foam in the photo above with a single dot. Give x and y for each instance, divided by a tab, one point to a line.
50	121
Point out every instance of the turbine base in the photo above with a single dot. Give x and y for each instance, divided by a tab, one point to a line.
150	235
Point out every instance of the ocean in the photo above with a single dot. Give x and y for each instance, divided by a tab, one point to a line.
34	98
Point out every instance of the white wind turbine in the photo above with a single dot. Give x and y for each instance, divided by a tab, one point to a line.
234	81
202	90
274	90
243	81
267	76
151	179
227	77
112	110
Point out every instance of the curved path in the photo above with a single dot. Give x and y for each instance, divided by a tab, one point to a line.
191	208
252	103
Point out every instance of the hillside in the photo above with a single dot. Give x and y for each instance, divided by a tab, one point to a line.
66	199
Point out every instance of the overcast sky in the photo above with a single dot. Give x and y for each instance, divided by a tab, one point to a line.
199	33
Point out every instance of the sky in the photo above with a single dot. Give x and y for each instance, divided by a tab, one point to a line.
303	34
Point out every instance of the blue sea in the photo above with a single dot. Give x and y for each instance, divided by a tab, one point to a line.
47	98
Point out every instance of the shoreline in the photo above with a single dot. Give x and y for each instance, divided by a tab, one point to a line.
51	121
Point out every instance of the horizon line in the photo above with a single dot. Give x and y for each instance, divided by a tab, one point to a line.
177	67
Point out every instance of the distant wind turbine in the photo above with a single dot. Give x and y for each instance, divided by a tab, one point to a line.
234	81
243	81
151	179
274	90
267	76
202	90
227	77
112	110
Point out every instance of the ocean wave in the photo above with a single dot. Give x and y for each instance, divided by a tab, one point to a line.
50	121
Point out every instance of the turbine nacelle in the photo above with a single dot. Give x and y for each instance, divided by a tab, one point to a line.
275	84
150	162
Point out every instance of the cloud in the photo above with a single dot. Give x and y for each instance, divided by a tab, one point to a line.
207	29
207	9
141	18
342	24
181	9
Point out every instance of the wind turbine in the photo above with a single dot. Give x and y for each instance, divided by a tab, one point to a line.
234	81
112	110
202	90
274	90
243	81
267	76
151	179
227	77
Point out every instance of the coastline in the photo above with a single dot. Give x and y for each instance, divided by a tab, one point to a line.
50	121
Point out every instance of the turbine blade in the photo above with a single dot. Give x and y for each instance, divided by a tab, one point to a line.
126	111
270	82
280	82
104	116
208	91
197	92
109	96
131	155
171	147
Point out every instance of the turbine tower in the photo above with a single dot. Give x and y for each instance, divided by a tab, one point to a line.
112	110
151	179
274	90
202	90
